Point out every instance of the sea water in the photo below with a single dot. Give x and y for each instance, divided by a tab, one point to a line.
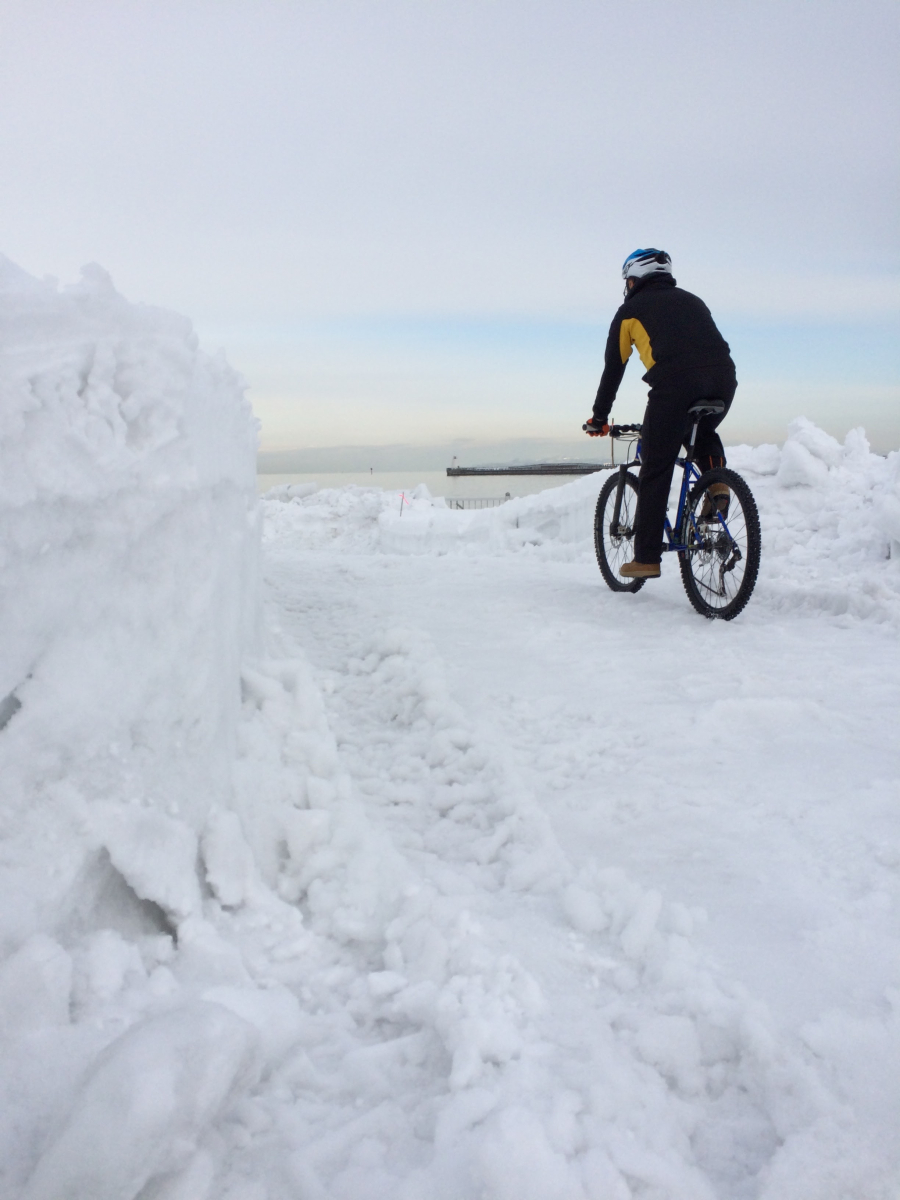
457	487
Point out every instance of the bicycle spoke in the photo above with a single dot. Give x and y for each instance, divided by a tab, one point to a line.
614	543
722	550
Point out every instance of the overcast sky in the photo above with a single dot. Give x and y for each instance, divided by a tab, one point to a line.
405	221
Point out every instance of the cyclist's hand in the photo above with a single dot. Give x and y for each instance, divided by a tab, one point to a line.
593	429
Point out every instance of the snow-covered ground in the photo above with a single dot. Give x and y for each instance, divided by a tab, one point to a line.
496	885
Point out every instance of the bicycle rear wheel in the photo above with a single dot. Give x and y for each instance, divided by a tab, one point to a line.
720	566
614	544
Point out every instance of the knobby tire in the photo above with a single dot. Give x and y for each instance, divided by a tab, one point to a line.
615	547
719	569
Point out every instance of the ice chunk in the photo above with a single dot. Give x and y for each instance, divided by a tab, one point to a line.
518	1162
106	962
274	1013
671	1044
156	854
228	858
639	930
35	986
799	467
149	1098
584	909
821	445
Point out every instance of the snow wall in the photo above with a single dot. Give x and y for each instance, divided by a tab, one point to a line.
128	544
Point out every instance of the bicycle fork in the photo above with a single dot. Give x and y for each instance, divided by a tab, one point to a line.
617	507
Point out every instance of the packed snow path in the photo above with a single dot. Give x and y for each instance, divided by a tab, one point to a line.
679	839
752	769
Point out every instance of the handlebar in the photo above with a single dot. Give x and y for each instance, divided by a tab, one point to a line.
617	431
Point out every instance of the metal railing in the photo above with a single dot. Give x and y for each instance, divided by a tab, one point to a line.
477	502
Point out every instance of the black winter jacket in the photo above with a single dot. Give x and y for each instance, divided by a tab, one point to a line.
674	333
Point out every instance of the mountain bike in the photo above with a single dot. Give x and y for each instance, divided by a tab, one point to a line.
717	539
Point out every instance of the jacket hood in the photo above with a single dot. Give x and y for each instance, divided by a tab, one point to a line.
650	281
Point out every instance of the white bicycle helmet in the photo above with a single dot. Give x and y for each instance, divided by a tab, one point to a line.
646	262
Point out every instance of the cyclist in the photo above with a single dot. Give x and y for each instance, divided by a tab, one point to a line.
687	360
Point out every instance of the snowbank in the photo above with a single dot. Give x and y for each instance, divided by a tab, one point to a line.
129	536
128	547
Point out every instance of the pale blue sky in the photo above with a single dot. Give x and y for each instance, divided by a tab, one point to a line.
405	221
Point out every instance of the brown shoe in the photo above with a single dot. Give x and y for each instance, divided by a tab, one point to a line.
636	570
718	494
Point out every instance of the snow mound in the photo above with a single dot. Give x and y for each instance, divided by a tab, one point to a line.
128	547
146	1099
129	536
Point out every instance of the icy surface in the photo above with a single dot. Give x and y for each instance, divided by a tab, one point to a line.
487	883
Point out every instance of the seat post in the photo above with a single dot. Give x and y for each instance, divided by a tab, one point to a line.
698	411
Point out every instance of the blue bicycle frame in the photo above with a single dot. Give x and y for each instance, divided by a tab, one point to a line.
675	537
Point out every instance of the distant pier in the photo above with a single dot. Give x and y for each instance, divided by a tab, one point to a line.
566	468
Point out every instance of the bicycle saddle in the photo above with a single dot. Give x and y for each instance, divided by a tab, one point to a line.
705	407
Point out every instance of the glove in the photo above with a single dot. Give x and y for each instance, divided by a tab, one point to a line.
593	428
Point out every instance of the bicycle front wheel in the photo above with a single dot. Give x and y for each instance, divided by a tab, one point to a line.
720	565
614	540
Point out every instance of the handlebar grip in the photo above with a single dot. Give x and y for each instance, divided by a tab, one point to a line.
618	430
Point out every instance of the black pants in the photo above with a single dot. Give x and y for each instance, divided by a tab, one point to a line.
666	427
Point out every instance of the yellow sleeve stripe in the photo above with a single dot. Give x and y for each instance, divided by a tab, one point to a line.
631	333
